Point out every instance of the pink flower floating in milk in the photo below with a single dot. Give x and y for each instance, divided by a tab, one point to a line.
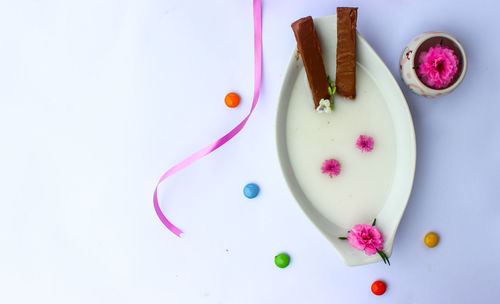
331	167
365	143
437	66
367	238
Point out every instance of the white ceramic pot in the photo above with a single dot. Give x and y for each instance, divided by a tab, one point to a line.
409	62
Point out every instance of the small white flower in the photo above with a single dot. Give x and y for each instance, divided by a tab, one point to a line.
324	106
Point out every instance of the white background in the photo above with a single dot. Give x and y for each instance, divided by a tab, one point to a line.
99	97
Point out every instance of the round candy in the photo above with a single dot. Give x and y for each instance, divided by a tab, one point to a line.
232	100
378	288
431	239
251	190
282	260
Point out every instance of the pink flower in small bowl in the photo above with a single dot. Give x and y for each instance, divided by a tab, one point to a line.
331	167
437	66
365	143
366	237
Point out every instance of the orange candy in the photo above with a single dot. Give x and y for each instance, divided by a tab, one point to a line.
378	288
232	100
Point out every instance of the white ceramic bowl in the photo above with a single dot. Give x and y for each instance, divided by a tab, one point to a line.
409	56
376	87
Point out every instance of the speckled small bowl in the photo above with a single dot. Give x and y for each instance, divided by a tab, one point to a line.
409	56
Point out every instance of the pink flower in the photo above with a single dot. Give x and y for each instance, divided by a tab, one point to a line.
437	66
366	237
331	167
365	143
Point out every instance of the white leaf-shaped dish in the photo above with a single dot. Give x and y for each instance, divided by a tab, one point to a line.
374	184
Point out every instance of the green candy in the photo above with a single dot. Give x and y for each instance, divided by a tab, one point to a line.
282	260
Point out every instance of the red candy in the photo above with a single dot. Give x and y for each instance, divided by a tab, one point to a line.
378	288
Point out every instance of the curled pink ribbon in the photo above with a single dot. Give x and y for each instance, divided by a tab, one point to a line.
257	21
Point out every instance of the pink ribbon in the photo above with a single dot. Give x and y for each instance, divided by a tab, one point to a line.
257	21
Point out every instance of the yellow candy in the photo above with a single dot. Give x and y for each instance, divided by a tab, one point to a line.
431	239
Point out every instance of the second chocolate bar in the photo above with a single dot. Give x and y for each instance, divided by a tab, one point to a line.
345	78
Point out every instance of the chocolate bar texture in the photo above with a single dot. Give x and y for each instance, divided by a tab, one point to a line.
309	47
345	78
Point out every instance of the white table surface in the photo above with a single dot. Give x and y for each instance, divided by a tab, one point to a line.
99	97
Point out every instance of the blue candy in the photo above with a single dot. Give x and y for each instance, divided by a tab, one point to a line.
251	190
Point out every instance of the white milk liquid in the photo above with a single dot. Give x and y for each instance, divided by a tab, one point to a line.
359	192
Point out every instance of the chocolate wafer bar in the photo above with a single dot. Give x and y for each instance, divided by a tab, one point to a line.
345	78
309	47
